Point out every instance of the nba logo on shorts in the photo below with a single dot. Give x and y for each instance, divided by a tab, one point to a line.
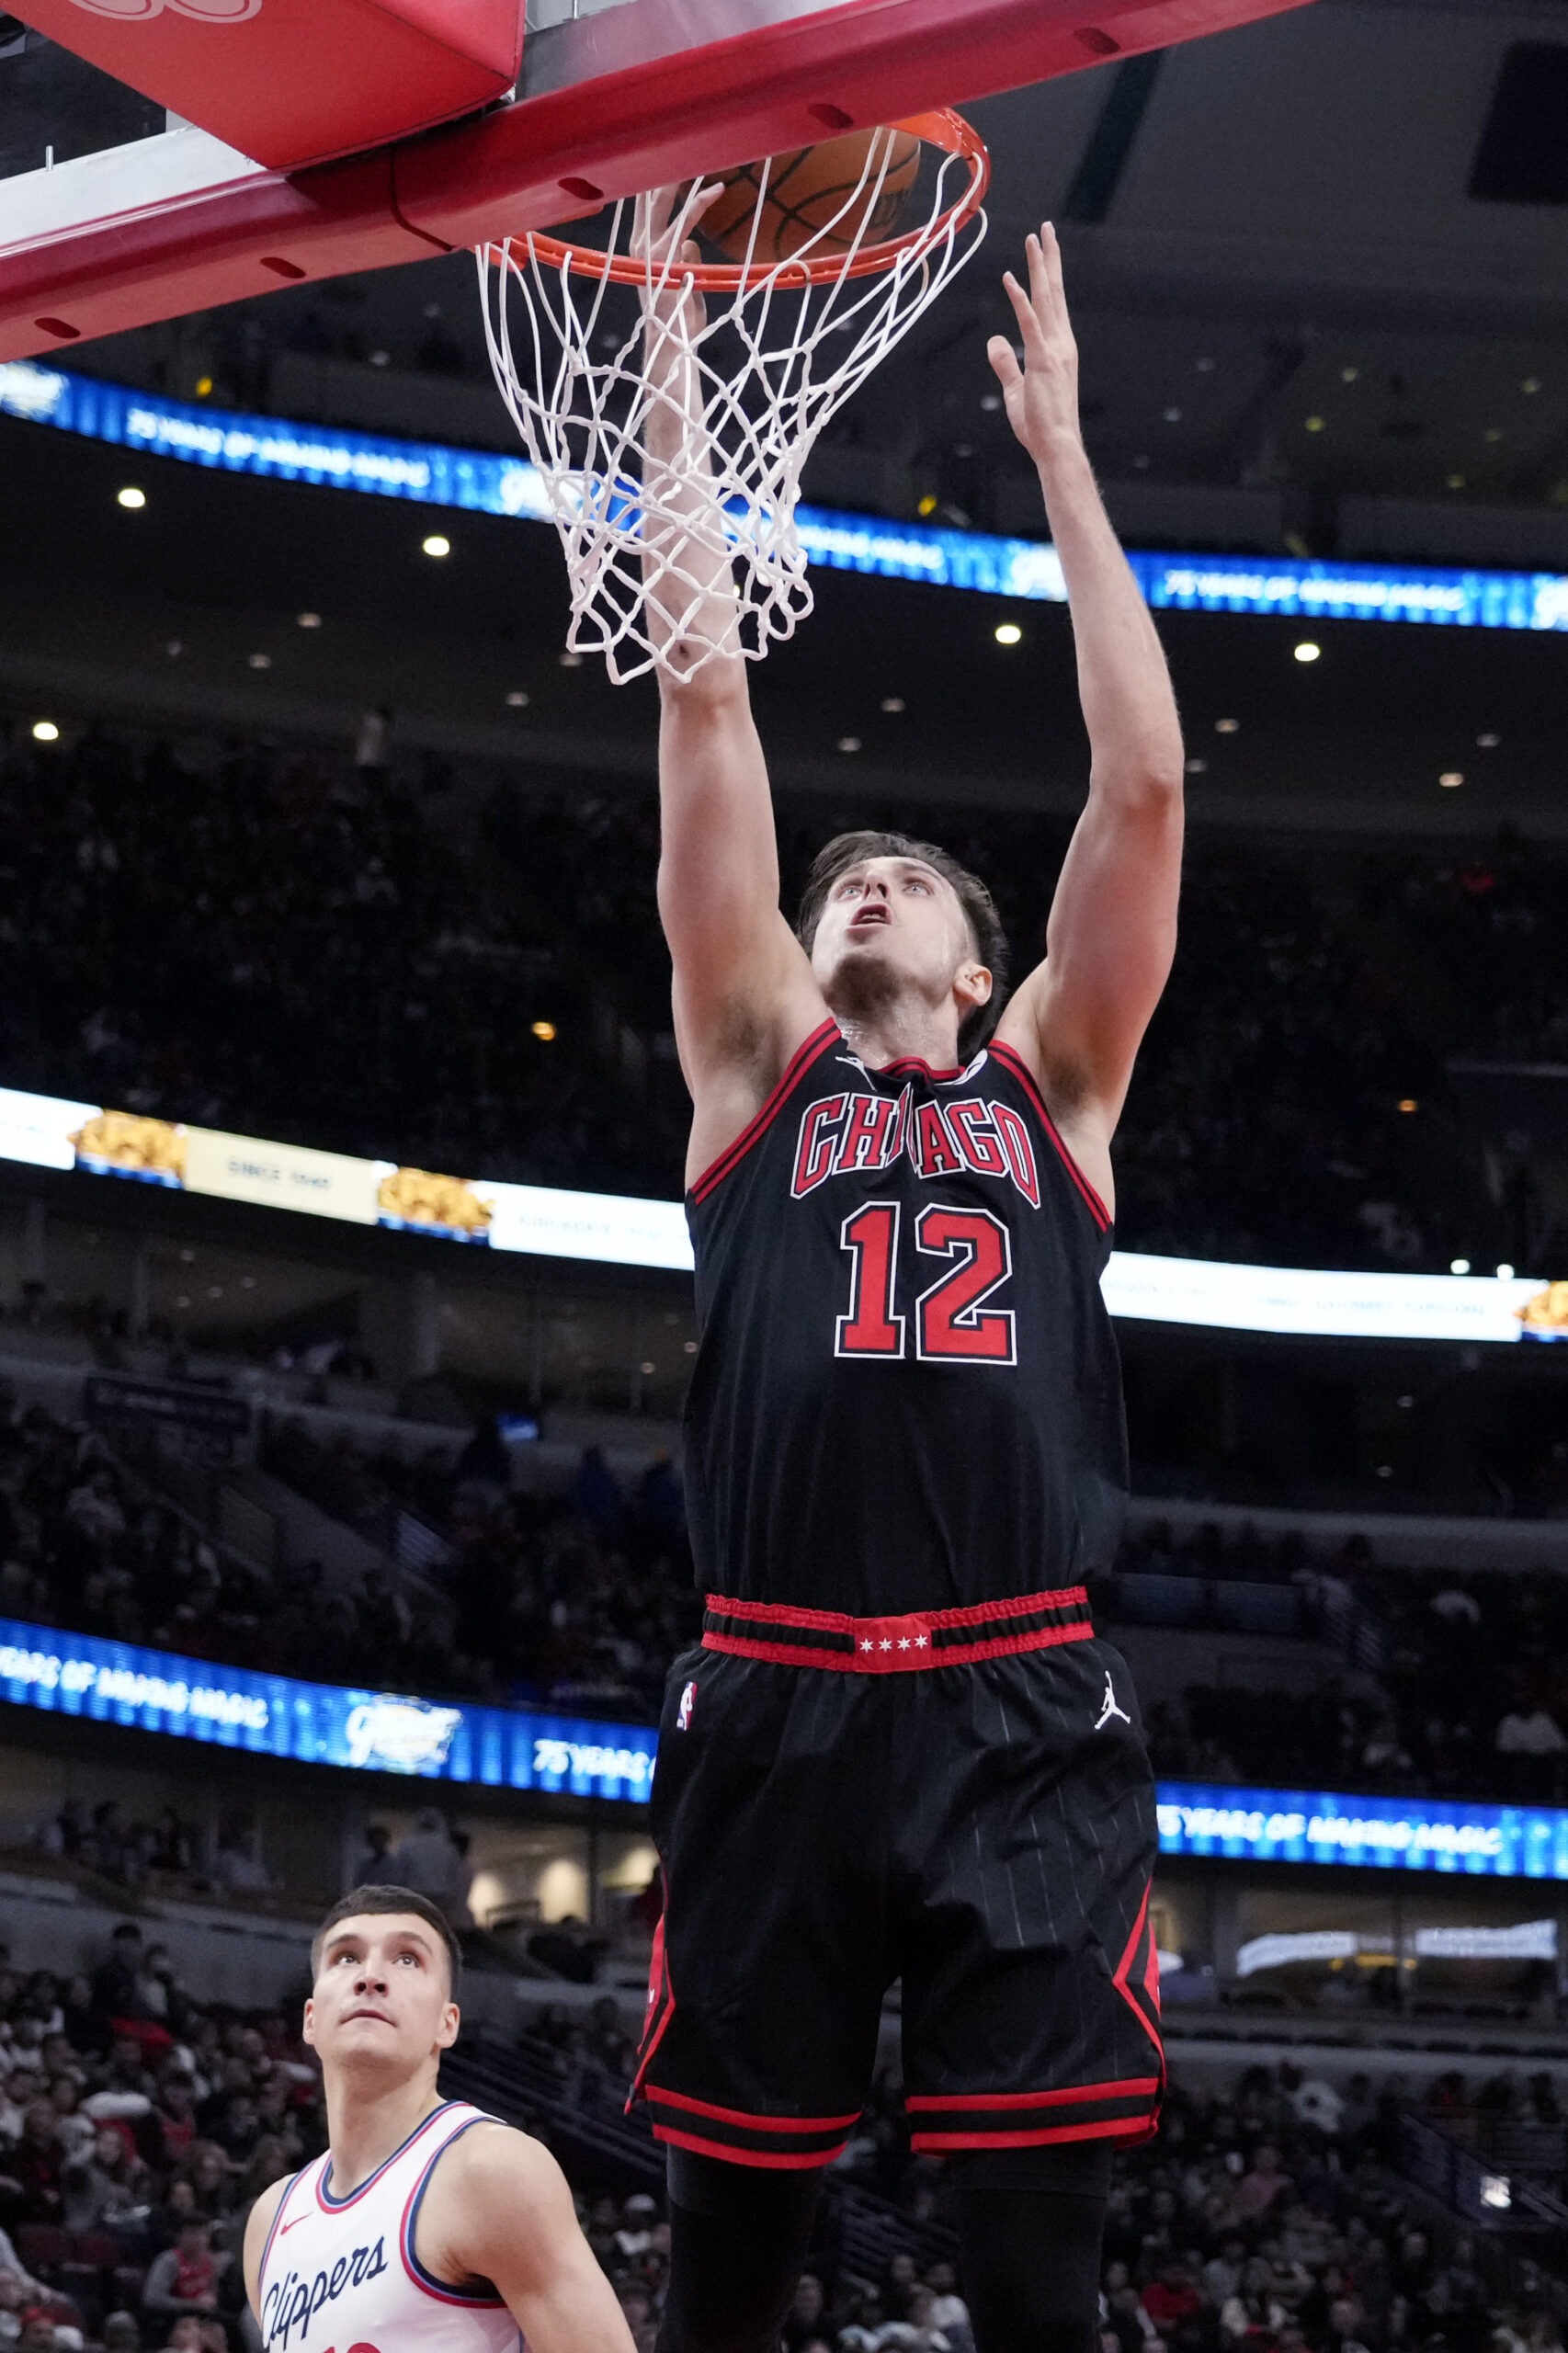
687	1702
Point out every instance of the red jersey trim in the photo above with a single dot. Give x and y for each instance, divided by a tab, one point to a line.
1134	2087
661	2001
835	1621
754	2123
774	2160
1011	1059
809	1049
1128	2132
1123	1972
913	1061
894	1662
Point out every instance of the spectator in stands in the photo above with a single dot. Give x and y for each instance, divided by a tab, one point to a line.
1527	1738
372	1867
183	2280
429	1861
114	1980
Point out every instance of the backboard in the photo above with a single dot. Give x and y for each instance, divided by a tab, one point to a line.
125	221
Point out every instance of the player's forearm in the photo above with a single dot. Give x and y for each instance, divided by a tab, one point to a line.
1123	682
685	569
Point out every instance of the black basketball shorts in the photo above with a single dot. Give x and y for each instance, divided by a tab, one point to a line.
982	1831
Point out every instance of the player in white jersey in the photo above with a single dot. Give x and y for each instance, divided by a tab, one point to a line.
428	2224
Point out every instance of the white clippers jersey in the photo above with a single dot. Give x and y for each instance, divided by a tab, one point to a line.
340	2275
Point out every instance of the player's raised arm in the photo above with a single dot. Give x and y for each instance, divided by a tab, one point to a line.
1079	1016
498	2208
744	993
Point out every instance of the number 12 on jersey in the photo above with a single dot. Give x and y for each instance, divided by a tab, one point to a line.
952	1322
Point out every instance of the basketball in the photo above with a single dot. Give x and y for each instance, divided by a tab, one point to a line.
809	188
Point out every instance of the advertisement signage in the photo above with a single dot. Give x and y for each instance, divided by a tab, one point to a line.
1026	570
615	1229
320	1724
1377	1833
280	1176
521	1748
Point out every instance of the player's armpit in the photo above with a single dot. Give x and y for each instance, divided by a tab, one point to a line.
498	2208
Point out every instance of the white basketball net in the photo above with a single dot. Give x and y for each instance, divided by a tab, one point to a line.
777	355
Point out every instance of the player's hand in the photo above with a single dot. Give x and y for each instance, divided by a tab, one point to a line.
659	236
1041	396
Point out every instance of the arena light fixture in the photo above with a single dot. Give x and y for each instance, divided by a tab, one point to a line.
1308	652
1505	1273
892	704
516	700
569	658
131	497
1316	424
1451	779
45	731
1407	1103
260	660
1227	727
309	620
1007	633
1489	742
1459	1266
849	742
438	544
544	1030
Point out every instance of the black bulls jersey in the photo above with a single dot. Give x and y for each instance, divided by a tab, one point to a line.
907	1394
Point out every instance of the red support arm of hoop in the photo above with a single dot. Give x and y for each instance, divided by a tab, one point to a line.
549	158
287	89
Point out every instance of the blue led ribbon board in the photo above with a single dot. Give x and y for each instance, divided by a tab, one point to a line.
1389	1833
1026	570
515	1749
320	1724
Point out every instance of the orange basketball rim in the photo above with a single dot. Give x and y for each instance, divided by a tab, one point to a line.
941	128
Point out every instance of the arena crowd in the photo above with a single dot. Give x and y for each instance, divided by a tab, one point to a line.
353	956
138	2122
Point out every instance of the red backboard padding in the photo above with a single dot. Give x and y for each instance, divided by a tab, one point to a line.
291	82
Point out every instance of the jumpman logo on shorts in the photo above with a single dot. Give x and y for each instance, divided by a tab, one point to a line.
1110	1707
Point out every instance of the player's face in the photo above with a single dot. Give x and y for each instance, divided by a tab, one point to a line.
890	924
381	2002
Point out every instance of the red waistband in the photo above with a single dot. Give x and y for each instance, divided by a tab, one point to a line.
790	1637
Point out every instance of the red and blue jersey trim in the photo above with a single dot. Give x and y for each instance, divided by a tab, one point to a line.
290	2186
331	2205
442	2290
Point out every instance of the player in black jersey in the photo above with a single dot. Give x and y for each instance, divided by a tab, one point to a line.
901	1752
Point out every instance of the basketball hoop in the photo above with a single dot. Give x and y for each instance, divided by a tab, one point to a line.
783	345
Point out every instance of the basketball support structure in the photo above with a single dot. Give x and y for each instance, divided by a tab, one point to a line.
607	106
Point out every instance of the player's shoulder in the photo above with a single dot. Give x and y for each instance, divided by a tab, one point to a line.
486	2153
492	2180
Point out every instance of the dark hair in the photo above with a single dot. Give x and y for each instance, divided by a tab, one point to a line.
990	941
377	1900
